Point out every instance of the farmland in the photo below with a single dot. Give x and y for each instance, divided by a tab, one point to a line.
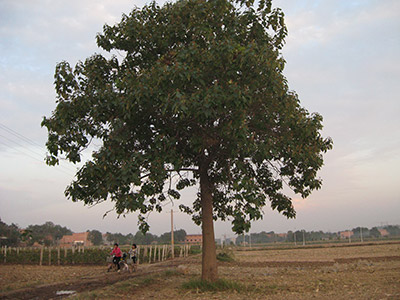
342	272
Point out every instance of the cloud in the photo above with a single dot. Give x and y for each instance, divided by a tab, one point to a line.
342	60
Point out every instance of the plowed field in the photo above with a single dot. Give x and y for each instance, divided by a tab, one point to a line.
357	272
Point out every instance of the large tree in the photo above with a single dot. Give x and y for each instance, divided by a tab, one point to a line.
197	96
9	234
95	237
47	233
179	236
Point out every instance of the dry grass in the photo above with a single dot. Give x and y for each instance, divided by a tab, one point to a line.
13	277
321	273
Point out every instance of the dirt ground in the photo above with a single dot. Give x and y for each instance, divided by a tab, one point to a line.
362	272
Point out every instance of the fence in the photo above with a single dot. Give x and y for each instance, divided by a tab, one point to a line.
88	255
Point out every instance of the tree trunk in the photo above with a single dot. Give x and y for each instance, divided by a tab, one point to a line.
209	261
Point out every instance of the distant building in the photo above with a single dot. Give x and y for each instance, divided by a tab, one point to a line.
194	239
282	235
105	239
383	232
76	239
226	241
346	234
36	245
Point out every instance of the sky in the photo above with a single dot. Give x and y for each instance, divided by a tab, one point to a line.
342	60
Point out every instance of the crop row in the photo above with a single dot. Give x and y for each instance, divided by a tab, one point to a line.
88	255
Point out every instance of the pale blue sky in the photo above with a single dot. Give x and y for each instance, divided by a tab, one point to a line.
342	59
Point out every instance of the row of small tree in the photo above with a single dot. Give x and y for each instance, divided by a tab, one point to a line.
46	234
139	238
300	235
49	234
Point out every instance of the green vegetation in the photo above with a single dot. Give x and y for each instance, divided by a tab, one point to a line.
49	233
225	255
95	237
199	95
170	273
9	234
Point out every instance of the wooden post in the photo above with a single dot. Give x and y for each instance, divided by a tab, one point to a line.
5	254
172	234
59	255
41	256
138	255
150	254
73	252
49	256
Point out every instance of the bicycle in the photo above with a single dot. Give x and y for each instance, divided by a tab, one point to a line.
113	264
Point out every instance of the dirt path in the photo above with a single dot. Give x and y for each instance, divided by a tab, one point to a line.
254	262
49	291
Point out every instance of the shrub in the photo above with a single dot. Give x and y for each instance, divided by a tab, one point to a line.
225	255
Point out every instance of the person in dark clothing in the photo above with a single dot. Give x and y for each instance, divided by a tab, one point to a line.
117	254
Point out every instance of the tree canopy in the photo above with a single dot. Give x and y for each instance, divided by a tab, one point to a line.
199	96
9	234
48	233
95	237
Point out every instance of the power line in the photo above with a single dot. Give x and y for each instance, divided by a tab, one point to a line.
32	157
31	151
19	149
20	136
30	141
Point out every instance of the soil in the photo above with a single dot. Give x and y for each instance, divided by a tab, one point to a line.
90	278
362	272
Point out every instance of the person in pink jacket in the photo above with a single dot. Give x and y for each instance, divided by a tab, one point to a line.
117	254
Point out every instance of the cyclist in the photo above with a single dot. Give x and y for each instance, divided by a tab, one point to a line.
117	254
132	254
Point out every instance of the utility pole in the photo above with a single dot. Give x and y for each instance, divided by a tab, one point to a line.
361	234
304	242
295	243
250	239
172	235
